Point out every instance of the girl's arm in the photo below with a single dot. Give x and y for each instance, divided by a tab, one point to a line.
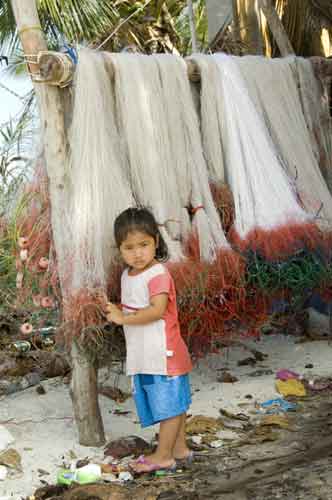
155	311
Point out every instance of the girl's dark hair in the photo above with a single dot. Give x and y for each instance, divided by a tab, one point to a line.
139	219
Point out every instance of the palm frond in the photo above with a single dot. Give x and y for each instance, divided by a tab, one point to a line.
77	20
8	34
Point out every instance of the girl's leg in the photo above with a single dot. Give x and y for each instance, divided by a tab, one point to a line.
181	449
163	456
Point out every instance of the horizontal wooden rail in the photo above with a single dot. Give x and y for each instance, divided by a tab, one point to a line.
57	69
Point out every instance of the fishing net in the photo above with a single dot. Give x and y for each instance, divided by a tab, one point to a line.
316	110
135	139
273	86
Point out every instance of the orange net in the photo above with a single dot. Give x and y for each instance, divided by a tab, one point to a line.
281	242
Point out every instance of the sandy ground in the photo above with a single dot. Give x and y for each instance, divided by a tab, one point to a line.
45	433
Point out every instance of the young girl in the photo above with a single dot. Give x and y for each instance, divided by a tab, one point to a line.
157	356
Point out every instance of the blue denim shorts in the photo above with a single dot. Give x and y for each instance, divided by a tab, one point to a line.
160	397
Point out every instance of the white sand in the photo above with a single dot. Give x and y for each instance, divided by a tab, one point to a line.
45	432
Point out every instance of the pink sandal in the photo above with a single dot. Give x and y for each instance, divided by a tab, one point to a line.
150	467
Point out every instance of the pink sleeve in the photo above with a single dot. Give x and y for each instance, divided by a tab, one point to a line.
159	284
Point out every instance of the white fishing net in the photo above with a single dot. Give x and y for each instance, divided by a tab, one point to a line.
188	159
263	195
272	85
99	188
212	116
166	165
316	110
135	138
140	113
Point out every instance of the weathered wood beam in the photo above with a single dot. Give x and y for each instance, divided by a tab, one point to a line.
50	69
277	28
53	132
55	68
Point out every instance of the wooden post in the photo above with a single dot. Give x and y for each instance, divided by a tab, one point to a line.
191	16
84	376
277	28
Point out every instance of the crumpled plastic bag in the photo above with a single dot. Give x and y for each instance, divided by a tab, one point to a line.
277	405
291	387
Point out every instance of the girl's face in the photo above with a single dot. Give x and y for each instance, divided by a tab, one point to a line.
138	250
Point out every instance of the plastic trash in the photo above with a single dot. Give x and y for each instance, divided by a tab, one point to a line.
216	444
286	374
65	477
3	472
290	387
125	476
5	438
90	473
278	405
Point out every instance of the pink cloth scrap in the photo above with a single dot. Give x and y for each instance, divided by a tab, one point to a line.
286	374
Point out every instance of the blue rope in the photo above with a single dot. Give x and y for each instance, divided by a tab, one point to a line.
71	52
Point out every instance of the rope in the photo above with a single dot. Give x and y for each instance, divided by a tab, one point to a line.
195	209
35	27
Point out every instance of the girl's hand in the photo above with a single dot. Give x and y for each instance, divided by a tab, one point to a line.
114	314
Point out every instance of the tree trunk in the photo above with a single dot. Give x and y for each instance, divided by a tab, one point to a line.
249	26
53	132
276	27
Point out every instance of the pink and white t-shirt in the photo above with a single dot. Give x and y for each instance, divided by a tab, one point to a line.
156	348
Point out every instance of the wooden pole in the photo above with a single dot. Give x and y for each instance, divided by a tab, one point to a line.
277	28
191	16
322	67
52	120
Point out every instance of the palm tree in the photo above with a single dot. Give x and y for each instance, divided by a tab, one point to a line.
304	21
150	25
